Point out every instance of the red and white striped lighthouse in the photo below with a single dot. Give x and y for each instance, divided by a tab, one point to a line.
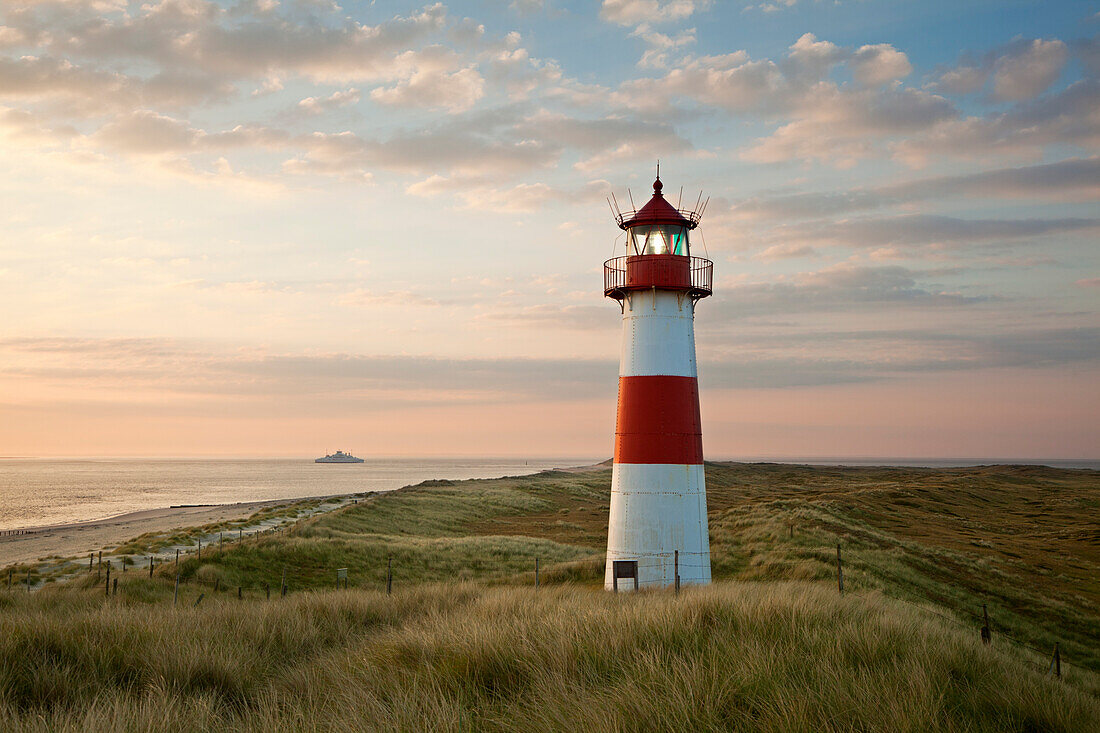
658	524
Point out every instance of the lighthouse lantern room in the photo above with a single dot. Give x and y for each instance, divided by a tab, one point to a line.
657	531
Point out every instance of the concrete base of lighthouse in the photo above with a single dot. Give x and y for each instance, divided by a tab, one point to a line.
657	509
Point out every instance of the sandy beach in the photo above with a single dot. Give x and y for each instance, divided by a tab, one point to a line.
80	538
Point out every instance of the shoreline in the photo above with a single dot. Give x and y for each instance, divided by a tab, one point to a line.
77	539
157	511
73	539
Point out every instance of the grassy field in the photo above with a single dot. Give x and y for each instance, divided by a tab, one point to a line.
746	656
466	643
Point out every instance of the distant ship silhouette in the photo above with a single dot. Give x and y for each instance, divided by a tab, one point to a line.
339	457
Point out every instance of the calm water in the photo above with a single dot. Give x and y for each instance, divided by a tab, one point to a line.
36	492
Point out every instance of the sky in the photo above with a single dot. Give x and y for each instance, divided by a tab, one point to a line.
283	227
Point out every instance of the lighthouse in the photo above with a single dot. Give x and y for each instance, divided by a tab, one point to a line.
657	530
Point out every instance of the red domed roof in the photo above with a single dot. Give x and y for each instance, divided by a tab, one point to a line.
658	211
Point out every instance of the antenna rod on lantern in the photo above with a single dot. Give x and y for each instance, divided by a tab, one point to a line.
704	207
697	200
658	167
679	198
617	210
632	206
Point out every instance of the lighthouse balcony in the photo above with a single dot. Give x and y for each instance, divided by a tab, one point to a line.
692	275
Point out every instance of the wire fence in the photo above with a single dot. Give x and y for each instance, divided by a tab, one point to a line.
669	569
954	620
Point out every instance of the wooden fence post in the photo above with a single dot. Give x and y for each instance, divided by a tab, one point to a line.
239	593
389	575
10	570
201	596
839	570
676	569
1057	661
150	566
282	591
176	592
536	573
107	585
177	557
986	631
28	580
217	584
91	555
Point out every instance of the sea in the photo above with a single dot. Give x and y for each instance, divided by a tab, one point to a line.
36	492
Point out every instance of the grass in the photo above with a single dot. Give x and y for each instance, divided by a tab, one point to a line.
465	642
745	656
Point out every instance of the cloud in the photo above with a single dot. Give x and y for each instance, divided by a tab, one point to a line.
1075	179
144	132
77	91
498	142
1070	116
553	315
637	12
455	91
476	193
961	80
919	230
730	81
336	100
660	45
785	251
32	127
879	64
363	298
778	359
198	35
526	6
1087	50
1021	70
478	145
810	60
841	126
1028	71
193	368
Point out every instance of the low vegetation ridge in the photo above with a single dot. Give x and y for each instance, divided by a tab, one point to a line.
466	642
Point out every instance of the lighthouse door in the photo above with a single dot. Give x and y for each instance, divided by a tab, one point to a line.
624	569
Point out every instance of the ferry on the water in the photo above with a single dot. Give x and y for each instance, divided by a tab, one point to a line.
339	457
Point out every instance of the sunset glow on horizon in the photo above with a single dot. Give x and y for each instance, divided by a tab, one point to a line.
279	228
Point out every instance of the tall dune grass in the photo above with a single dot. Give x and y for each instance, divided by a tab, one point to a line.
745	656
